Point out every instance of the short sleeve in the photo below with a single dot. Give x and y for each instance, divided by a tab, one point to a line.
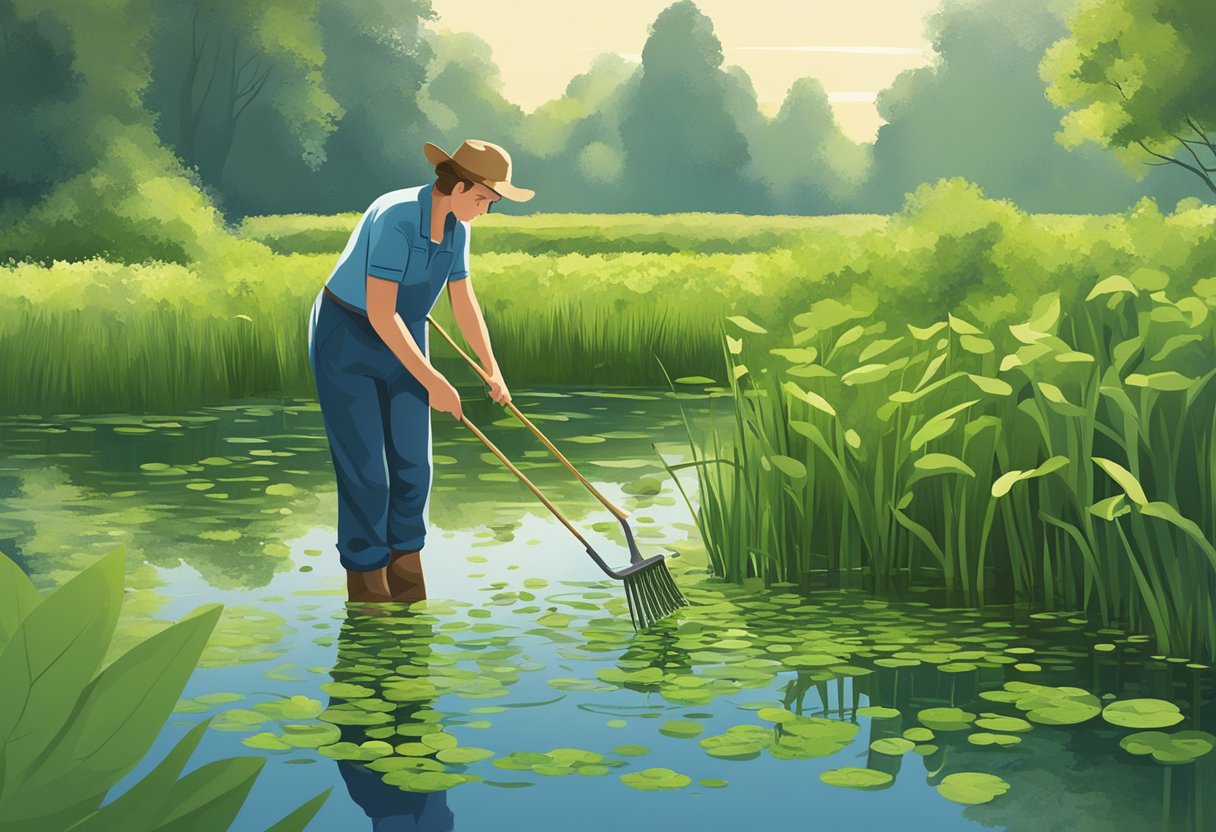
460	266
388	247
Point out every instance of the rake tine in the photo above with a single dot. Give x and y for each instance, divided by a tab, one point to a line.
652	613
635	612
677	598
664	591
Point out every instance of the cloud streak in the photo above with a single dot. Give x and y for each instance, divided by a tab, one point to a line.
844	50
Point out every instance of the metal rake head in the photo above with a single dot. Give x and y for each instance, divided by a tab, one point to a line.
651	592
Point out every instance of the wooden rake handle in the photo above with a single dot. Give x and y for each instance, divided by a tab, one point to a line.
618	513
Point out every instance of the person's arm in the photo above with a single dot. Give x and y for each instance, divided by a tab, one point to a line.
382	314
467	313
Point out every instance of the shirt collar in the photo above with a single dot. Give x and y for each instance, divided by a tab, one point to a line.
424	218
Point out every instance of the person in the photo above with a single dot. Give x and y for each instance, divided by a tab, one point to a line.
368	346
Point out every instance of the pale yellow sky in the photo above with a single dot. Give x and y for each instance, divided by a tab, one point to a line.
855	47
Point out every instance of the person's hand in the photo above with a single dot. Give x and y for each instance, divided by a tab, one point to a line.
498	388
443	396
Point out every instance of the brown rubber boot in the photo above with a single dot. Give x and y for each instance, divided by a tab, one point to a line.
405	579
368	587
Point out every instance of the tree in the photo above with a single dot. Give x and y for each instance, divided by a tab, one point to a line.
981	112
212	60
38	83
683	149
1137	75
376	62
804	159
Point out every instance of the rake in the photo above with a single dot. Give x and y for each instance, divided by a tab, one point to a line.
650	590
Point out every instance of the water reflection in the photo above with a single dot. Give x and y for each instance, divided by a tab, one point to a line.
374	639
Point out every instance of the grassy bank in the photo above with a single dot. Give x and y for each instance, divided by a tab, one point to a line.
97	335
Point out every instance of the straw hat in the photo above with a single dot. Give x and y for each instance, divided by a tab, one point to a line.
482	162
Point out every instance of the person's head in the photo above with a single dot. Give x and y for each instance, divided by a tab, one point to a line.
473	178
469	198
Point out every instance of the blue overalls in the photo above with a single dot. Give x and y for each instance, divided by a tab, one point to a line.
377	415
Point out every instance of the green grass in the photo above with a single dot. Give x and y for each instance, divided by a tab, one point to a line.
96	335
1068	460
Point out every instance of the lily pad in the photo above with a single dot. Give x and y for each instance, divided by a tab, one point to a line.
655	779
971	788
1172	749
878	712
985	738
946	719
851	777
1142	713
895	746
681	728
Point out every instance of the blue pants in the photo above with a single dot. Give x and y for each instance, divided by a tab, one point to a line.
378	420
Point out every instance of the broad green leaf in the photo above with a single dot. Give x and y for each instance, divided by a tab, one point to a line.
930	431
1124	478
878	347
1005	482
51	657
993	386
961	327
17	597
1196	309
867	374
789	466
943	463
1169	380
739	371
746	324
1026	335
849	336
1110	508
1174	343
976	345
211	796
813	399
300	818
1114	284
734	345
931	370
852	438
928	332
121	712
1046	313
141	806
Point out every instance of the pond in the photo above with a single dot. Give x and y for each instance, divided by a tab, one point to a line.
519	696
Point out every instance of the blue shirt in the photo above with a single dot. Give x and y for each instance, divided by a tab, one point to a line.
393	241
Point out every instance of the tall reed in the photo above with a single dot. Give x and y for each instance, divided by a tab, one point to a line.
1066	462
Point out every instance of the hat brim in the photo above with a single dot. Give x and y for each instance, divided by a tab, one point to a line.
436	156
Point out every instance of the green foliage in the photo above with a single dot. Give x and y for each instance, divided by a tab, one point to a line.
980	112
1136	78
70	734
683	149
1066	460
95	335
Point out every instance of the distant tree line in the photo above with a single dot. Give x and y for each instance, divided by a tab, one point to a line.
283	106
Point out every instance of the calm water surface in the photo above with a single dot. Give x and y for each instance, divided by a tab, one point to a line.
519	696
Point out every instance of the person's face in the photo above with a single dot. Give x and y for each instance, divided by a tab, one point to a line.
472	203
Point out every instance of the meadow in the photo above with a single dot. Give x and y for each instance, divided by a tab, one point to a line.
962	395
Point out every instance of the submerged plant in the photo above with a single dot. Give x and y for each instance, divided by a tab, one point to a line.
68	733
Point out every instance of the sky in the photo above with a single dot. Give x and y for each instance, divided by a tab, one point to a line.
854	47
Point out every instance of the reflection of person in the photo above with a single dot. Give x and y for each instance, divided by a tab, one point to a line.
372	635
368	347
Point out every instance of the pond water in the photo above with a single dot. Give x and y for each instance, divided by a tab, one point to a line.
519	696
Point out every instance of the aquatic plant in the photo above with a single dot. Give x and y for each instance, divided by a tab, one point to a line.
1067	462
69	734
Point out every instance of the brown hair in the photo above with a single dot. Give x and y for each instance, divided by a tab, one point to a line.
447	176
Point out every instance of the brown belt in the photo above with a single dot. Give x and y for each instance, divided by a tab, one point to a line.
342	303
